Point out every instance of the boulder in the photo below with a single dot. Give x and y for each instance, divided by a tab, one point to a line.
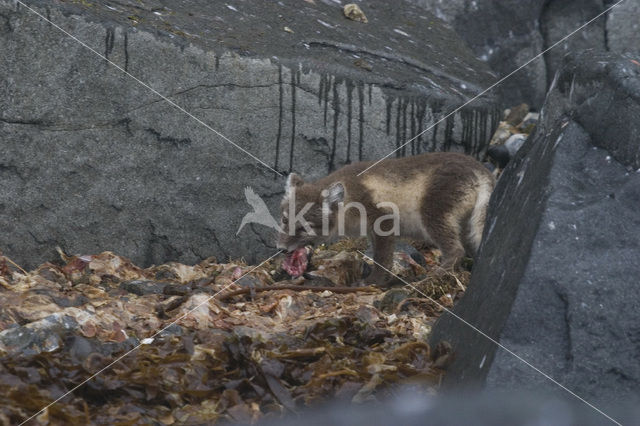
92	160
623	28
556	277
508	33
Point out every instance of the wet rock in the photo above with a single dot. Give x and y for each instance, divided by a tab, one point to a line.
122	166
555	279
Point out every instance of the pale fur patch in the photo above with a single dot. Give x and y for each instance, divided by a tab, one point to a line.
478	215
408	195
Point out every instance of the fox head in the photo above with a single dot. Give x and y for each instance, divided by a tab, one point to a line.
308	213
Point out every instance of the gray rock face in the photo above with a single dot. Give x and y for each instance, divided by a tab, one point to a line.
412	409
509	33
623	31
91	160
556	279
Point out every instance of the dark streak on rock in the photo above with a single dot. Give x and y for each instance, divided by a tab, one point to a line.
567	325
178	143
413	127
336	116
108	42
350	86
448	132
280	106
398	137
389	104
293	119
327	88
361	119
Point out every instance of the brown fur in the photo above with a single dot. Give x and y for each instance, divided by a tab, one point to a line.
441	197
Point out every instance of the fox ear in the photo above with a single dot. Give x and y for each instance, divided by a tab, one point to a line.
334	193
293	180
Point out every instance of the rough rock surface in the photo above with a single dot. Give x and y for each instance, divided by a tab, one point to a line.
556	279
508	33
91	160
407	408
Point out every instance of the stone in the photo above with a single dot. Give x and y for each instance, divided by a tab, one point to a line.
142	287
94	161
508	33
623	28
353	12
514	143
556	277
45	335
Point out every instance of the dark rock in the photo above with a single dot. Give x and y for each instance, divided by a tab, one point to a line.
142	287
176	289
126	171
172	330
623	27
500	155
508	33
556	278
605	96
45	335
389	302
407	248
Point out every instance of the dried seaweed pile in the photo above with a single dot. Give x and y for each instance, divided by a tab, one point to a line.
242	355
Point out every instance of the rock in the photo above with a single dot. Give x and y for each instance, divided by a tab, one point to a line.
142	287
410	408
389	302
125	170
514	143
556	277
623	29
353	12
45	335
508	33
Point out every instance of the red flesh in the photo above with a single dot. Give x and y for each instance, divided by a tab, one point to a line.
296	262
